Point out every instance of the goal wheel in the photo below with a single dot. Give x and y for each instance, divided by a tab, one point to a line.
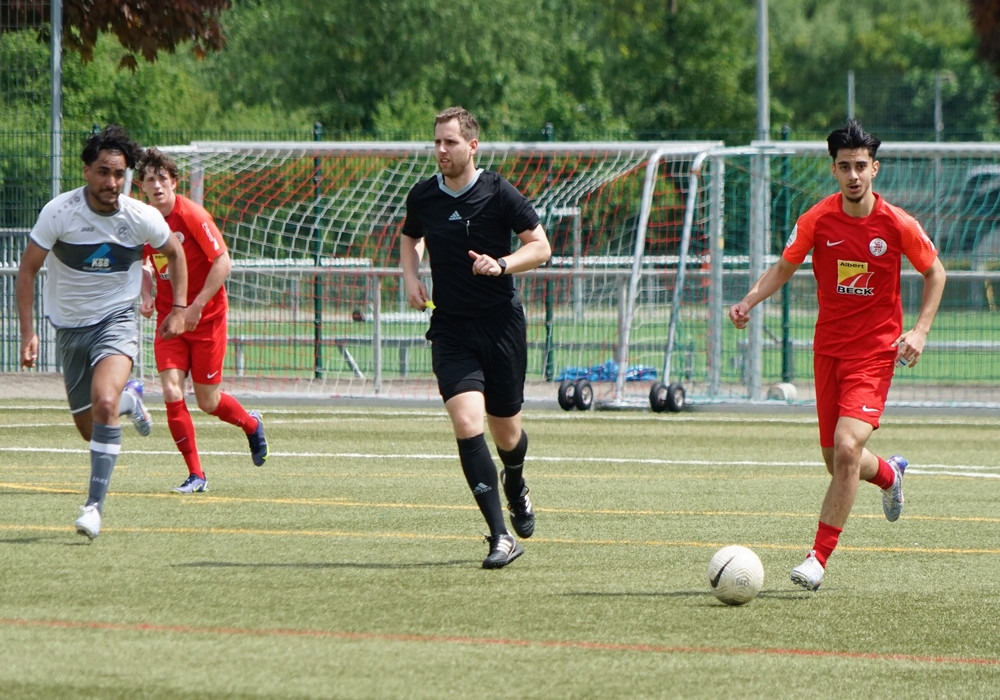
675	397
658	398
567	395
584	395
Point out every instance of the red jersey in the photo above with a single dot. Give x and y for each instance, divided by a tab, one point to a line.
202	245
856	262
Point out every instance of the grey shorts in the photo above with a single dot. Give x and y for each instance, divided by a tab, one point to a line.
80	349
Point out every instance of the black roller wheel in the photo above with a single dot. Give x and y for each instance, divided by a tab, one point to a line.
567	395
658	398
584	395
675	397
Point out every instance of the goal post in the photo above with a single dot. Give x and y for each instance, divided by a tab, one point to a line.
317	302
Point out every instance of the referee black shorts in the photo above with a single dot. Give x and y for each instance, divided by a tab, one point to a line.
487	354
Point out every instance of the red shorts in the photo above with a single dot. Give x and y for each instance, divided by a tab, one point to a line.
198	353
854	388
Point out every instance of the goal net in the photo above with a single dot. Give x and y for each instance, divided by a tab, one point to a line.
317	302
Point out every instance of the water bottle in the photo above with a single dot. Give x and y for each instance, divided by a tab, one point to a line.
900	360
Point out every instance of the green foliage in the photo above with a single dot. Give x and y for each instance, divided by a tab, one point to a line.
675	66
24	170
143	29
389	67
584	70
593	69
896	50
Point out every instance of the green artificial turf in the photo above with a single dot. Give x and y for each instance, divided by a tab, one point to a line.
349	565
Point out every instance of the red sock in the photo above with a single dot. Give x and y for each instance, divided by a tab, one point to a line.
885	476
231	411
826	541
182	430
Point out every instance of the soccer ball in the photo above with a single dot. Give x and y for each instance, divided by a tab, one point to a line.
735	575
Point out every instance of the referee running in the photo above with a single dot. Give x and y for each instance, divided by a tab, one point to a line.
465	216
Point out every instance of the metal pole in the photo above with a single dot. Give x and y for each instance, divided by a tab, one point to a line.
317	259
763	91
548	363
787	360
716	293
55	133
935	224
759	200
850	94
938	111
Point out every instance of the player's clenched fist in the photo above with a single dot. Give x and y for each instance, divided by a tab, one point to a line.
29	351
739	314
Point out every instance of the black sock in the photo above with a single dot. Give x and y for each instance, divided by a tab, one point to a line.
513	465
481	474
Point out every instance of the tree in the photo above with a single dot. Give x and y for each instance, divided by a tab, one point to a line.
679	67
143	28
986	24
363	67
897	50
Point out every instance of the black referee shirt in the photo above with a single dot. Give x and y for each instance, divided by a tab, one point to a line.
482	217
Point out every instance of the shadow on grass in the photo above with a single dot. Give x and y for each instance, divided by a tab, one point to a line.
35	539
634	594
56	540
323	565
791	594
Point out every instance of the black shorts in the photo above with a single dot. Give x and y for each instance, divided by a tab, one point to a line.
488	355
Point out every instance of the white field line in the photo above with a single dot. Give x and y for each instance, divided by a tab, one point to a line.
964	470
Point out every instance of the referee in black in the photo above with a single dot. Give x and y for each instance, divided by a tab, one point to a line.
465	216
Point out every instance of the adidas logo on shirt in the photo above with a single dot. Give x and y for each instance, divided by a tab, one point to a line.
455	216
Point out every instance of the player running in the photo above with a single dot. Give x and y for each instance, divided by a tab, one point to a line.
91	240
200	351
857	241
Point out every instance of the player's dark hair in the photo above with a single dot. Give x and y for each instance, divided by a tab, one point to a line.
852	137
156	160
111	138
467	123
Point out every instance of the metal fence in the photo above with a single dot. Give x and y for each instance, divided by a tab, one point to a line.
345	329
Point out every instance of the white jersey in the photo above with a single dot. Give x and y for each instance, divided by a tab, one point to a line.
94	266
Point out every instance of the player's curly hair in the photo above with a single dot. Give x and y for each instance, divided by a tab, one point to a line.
852	136
111	138
156	160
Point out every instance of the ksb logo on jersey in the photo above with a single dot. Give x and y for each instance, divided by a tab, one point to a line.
854	278
99	261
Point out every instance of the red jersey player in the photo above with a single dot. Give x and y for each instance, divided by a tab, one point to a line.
199	352
857	241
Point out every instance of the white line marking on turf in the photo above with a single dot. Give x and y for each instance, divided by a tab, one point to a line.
966	470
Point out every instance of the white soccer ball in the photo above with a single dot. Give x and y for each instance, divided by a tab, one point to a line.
735	575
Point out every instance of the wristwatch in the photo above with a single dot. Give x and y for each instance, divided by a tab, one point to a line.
503	265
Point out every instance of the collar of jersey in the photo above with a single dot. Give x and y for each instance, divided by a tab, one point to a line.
447	190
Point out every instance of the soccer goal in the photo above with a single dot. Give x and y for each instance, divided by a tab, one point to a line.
317	302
